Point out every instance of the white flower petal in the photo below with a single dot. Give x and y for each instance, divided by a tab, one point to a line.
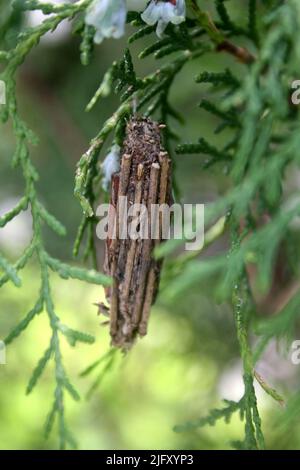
96	12
164	12
161	26
98	38
151	14
108	17
177	19
110	166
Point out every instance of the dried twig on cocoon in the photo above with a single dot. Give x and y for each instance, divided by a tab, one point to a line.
144	178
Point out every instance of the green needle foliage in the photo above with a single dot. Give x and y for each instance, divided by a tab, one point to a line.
24	138
261	142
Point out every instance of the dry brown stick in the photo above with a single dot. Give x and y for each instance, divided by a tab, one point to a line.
240	53
145	263
124	180
163	188
114	249
122	209
126	166
163	185
154	178
114	301
131	252
148	302
113	210
146	254
111	244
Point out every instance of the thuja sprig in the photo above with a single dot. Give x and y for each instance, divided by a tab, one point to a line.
242	309
225	79
221	42
213	417
247	406
154	88
145	90
40	216
105	364
257	152
226	21
251	108
45	302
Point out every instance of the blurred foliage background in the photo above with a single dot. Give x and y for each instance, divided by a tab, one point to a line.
189	361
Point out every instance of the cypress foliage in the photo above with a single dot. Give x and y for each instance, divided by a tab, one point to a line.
263	142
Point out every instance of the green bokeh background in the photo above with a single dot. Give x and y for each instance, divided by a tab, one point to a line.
189	361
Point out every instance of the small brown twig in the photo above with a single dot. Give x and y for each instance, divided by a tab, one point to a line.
147	245
132	249
222	43
147	302
144	178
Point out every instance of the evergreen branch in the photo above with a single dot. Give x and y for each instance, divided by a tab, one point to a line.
49	423
156	103
205	148
39	369
10	271
106	86
103	373
156	46
212	418
229	117
167	50
21	206
51	221
32	36
142	32
17	330
24	137
20	264
257	155
91	367
66	271
90	249
88	162
269	390
242	305
192	274
213	234
217	37
282	324
225	18
222	78
61	379
98	362
87	44
66	9
79	237
71	389
147	88
74	336
252	23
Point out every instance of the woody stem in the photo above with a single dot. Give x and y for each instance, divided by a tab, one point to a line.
222	43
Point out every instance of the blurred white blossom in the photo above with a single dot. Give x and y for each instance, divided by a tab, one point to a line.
163	12
108	17
110	166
